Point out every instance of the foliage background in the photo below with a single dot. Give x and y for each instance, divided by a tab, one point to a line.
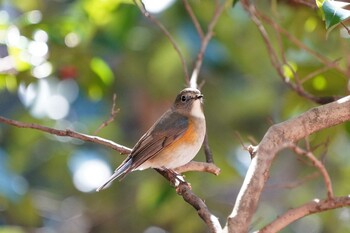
97	48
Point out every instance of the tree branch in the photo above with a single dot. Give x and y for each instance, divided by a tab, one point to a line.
194	19
113	114
204	44
68	133
280	136
275	61
167	34
184	189
200	167
318	164
315	206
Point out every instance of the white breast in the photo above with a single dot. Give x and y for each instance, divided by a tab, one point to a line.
197	110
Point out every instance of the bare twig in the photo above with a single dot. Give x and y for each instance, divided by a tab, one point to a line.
238	135
204	44
194	19
68	133
114	112
324	60
315	206
167	34
318	164
184	189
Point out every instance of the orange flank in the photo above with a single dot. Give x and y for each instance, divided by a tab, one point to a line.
188	137
190	134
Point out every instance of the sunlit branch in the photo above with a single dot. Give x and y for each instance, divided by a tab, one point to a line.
68	133
315	206
278	137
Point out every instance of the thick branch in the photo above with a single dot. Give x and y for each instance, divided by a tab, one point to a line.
280	136
315	206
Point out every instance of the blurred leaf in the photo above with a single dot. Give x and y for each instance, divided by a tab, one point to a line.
103	71
290	69
11	229
319	82
101	12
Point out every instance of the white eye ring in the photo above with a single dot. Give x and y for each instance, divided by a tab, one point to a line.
183	98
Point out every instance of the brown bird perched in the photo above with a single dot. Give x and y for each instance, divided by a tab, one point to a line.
173	140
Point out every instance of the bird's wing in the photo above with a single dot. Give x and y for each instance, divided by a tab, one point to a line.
164	132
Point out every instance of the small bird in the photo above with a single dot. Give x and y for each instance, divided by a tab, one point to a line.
173	140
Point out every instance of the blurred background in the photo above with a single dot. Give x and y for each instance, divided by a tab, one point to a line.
61	61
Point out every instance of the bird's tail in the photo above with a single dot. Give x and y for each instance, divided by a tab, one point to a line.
121	170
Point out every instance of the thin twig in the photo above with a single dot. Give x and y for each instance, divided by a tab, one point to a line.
204	44
207	151
194	19
68	133
324	60
315	206
112	116
297	87
319	165
167	34
315	73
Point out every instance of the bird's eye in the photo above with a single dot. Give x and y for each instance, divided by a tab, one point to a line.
183	98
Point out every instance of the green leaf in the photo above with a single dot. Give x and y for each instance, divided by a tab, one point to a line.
102	70
334	13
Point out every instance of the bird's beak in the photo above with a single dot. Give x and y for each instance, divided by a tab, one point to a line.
199	96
